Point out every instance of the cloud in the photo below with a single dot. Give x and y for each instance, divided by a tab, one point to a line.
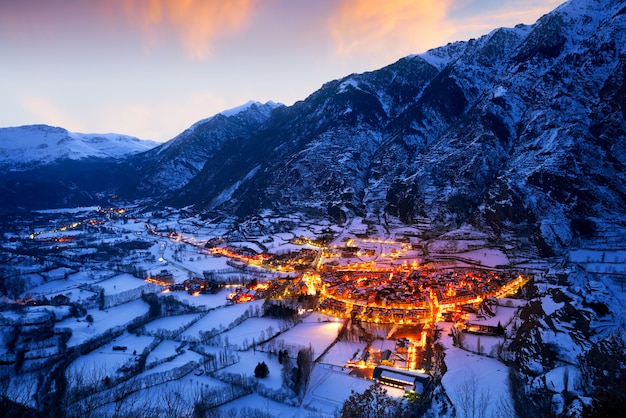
527	11
389	28
45	111
197	24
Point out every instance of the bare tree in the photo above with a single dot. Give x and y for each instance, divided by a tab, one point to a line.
460	338
82	381
126	402
504	409
472	402
174	405
305	365
16	394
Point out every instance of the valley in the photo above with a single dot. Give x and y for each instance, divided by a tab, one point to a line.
129	309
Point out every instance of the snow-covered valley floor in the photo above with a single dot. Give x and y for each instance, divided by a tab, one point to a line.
75	303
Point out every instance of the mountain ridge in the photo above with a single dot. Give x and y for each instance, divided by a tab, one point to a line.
486	131
24	146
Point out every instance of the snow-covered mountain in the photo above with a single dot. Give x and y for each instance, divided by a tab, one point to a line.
521	131
50	167
519	134
32	145
174	163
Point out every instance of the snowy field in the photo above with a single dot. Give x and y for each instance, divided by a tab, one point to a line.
482	344
164	350
106	361
169	323
598	256
73	292
317	330
341	352
103	321
602	261
121	283
219	319
199	262
58	284
265	405
330	386
253	330
248	361
182	358
175	396
473	374
208	301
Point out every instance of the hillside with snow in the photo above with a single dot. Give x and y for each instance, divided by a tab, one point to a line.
519	133
174	163
33	145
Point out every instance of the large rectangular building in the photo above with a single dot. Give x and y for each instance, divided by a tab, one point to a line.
404	379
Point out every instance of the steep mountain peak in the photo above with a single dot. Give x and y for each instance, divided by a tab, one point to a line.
251	104
247	109
172	164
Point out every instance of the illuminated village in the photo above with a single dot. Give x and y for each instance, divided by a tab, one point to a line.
387	294
440	235
203	306
370	281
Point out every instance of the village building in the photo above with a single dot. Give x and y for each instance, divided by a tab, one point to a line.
404	379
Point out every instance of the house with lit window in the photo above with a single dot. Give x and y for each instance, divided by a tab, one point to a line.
403	379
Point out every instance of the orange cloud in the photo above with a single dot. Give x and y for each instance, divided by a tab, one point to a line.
390	28
196	23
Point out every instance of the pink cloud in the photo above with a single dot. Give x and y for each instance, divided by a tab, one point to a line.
389	28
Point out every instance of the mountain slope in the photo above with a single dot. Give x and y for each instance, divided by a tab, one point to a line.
44	166
320	146
50	167
519	131
172	164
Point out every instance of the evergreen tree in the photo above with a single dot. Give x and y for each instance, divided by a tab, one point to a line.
373	403
261	370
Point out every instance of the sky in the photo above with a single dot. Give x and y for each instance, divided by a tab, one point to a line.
152	68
